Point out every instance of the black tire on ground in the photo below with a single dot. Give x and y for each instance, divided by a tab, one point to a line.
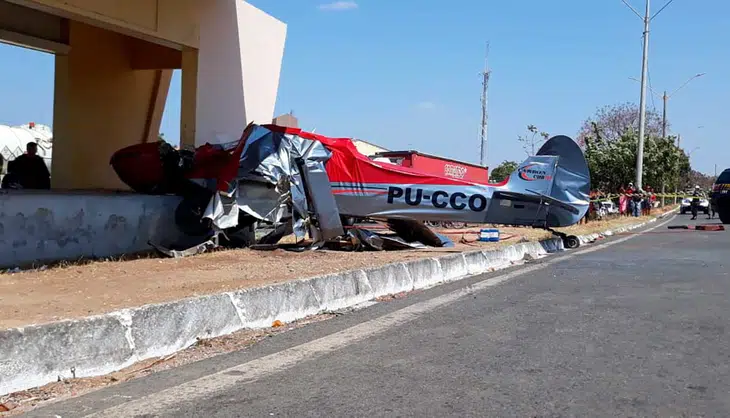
724	212
188	216
571	242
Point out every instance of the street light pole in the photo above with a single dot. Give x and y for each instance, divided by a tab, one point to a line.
642	102
664	115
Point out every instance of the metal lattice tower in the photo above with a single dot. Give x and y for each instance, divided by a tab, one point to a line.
485	116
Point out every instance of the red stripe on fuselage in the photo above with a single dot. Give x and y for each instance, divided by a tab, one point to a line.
348	165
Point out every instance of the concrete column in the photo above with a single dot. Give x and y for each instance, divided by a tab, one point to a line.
241	50
63	162
189	95
101	104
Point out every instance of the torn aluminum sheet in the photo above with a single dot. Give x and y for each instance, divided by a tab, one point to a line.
263	202
329	225
276	172
364	238
222	210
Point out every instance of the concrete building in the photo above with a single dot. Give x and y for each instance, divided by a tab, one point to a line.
113	65
288	120
368	148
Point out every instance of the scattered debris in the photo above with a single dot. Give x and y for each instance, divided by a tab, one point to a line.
701	227
156	362
396	296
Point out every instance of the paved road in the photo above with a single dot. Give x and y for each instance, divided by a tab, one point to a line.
637	328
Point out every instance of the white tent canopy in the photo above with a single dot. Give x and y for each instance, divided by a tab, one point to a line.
13	140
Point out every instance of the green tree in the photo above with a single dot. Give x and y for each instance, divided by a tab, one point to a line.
612	161
665	165
502	171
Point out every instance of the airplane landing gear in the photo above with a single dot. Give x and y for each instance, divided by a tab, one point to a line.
570	242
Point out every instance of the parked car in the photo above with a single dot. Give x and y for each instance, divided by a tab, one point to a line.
609	207
721	196
686	206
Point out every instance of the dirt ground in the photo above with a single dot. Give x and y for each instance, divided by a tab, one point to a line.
45	295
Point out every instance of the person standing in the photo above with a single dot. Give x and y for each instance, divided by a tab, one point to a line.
623	202
636	201
29	170
696	195
631	194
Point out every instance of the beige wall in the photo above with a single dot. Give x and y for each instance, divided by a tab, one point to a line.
101	104
170	22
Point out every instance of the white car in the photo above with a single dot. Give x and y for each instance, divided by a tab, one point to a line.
609	207
687	206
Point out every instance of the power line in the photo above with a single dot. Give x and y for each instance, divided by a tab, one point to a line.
653	104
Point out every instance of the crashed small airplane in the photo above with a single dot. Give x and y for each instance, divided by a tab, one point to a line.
293	181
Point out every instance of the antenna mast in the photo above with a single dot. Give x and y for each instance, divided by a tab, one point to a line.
485	87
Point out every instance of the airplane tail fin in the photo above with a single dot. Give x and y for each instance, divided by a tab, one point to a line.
572	182
556	179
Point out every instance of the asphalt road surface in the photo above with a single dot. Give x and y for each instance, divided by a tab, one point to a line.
632	327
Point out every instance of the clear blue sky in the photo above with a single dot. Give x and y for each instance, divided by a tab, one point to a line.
405	74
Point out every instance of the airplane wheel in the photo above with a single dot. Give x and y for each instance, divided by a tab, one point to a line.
571	242
189	216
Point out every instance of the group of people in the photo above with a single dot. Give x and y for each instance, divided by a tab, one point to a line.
28	171
636	202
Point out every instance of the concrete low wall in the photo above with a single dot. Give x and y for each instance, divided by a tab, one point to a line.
41	227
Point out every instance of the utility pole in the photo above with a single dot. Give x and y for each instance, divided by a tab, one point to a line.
642	101
485	87
665	98
676	186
